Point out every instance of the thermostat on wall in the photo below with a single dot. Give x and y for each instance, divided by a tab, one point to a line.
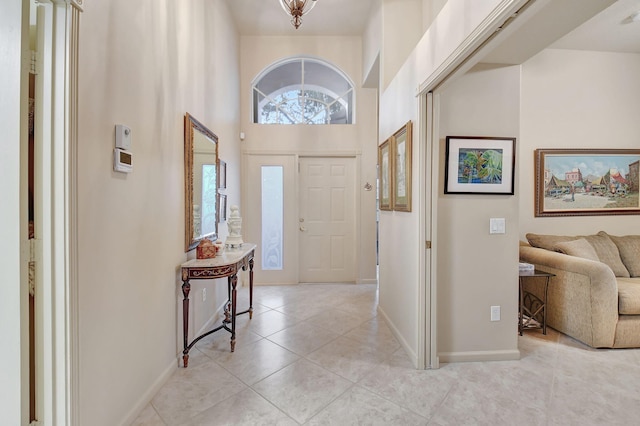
123	137
122	161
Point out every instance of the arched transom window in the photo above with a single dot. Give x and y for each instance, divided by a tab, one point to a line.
302	91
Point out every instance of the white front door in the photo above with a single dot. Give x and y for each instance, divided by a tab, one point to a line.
327	219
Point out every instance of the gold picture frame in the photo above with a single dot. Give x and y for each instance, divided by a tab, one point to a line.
401	168
385	186
586	182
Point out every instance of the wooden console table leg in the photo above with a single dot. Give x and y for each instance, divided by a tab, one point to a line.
227	304
251	288
544	310
186	288
520	310
234	282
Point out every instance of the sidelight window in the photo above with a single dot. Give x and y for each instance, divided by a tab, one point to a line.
272	217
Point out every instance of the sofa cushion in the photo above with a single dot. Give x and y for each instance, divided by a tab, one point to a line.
628	296
548	242
629	248
578	248
608	253
605	248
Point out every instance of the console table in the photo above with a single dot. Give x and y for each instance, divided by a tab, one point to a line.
531	304
227	264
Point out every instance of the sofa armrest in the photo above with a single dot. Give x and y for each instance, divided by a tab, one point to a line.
583	296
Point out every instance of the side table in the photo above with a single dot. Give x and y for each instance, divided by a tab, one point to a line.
532	305
228	264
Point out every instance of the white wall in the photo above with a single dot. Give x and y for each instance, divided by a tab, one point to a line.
345	53
478	270
144	64
11	391
577	99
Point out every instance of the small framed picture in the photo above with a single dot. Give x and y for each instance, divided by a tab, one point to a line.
222	175
401	167
479	165
386	175
222	205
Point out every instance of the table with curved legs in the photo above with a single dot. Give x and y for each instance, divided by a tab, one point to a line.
227	264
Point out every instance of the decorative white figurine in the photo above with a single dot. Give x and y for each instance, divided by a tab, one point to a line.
234	222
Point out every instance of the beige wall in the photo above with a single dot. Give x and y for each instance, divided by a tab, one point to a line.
430	10
144	64
401	30
396	25
477	270
401	244
372	45
345	53
577	99
11	392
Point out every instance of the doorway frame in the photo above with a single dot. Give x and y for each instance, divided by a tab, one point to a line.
57	358
356	154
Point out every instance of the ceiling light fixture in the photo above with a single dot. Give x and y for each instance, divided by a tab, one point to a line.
297	8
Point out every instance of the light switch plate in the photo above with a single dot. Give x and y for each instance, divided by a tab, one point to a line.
497	225
495	313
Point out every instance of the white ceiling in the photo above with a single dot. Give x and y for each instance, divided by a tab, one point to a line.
611	30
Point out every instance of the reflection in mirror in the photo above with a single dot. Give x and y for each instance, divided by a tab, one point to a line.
201	182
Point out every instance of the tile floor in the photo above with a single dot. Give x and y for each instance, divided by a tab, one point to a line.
317	354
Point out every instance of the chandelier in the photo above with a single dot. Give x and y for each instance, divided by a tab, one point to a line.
297	8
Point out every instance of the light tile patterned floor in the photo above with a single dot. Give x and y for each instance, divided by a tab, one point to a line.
316	354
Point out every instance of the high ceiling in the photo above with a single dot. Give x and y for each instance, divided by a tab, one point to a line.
610	30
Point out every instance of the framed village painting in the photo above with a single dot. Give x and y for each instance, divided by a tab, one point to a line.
583	182
479	165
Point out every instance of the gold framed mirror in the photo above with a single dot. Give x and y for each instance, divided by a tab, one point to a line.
201	182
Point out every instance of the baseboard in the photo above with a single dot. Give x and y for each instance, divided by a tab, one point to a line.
408	349
474	356
157	385
146	397
368	281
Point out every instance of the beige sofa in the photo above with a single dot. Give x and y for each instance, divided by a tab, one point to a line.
595	295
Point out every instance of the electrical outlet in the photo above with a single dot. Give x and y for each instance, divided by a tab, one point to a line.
204	294
495	313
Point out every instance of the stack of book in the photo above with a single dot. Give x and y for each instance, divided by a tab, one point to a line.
526	268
